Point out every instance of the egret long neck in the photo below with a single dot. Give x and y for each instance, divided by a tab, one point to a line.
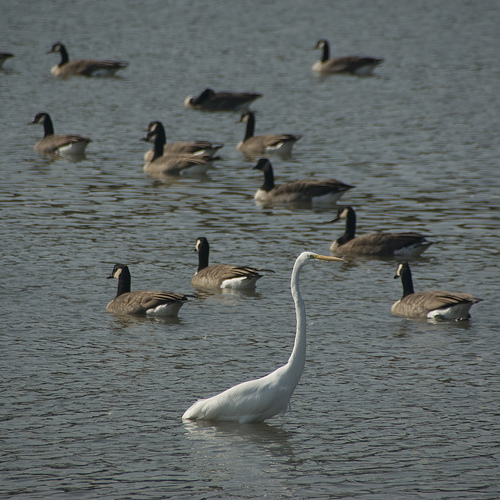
296	362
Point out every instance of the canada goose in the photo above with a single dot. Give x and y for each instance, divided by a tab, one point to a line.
68	144
209	100
146	302
4	56
301	191
222	275
437	304
355	65
83	67
175	148
376	244
255	145
182	164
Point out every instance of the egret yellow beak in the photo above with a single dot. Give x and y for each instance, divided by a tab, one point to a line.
327	257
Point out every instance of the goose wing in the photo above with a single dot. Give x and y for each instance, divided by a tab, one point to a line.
88	67
385	244
217	274
54	142
305	190
419	304
348	64
141	301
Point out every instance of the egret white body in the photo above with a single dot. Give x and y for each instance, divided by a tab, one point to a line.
260	399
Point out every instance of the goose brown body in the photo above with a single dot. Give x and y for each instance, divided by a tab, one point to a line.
354	65
409	244
66	144
143	302
222	275
83	67
306	191
202	148
256	145
432	304
171	164
209	100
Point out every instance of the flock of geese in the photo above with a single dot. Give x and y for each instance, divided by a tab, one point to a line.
259	399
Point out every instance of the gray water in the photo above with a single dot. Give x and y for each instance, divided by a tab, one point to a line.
387	407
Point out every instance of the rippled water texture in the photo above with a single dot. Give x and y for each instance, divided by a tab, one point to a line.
387	407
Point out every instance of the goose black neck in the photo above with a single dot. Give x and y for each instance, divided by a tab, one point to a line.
407	280
160	141
124	280
268	178
326	51
203	253
204	96
64	55
250	126
48	127
350	227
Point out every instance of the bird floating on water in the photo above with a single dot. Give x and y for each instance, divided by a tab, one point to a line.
225	276
176	148
209	100
174	164
354	65
143	302
435	304
256	145
83	67
64	144
4	56
403	245
308	191
260	399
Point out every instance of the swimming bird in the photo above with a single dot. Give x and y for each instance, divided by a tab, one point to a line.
260	399
310	191
222	275
255	145
209	100
176	148
83	67
144	302
4	56
67	144
181	164
376	244
435	304
354	65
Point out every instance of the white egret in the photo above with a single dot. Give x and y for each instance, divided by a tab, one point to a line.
260	399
